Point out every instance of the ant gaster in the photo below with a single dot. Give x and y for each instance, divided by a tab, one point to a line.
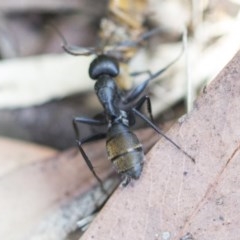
124	149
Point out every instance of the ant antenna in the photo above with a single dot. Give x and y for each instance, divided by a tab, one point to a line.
71	49
126	44
143	37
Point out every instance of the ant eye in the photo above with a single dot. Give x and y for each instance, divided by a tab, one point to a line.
103	65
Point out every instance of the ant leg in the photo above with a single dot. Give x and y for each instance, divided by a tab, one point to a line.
139	114
126	180
134	93
88	121
149	105
148	72
85	157
138	90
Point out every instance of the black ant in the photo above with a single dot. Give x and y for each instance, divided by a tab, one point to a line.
124	149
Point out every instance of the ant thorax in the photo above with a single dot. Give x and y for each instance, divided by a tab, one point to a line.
122	118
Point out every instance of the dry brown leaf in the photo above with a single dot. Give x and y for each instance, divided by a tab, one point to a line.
44	193
37	183
16	154
174	198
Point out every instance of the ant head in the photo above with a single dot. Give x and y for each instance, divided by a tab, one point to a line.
103	65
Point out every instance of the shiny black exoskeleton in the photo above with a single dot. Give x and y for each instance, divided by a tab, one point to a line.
125	152
103	69
123	147
120	108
